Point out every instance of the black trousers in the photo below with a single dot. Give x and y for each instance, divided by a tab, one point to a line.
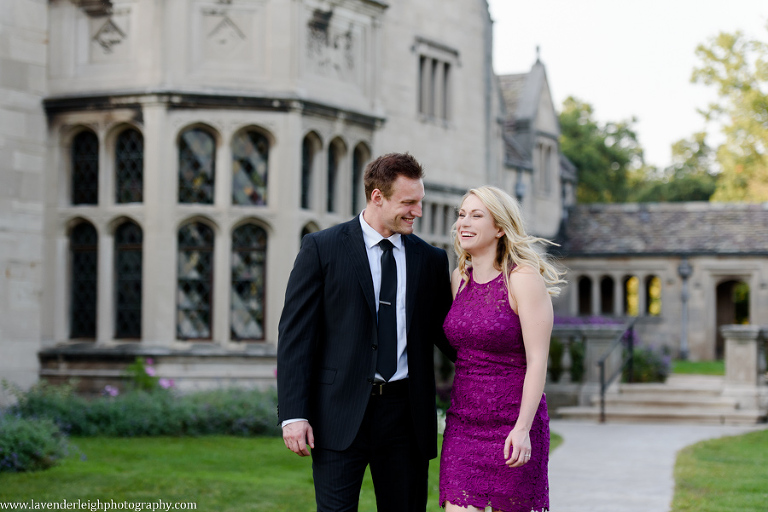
386	441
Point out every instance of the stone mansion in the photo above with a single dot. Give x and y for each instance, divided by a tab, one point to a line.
161	162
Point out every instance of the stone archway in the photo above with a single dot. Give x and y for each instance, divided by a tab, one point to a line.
732	307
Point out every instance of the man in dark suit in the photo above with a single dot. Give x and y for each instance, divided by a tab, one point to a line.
355	367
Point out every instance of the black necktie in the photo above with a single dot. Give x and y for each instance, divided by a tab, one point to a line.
387	360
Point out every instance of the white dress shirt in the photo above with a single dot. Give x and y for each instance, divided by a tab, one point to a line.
372	239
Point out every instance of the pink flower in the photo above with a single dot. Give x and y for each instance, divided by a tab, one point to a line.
149	361
166	383
110	390
150	371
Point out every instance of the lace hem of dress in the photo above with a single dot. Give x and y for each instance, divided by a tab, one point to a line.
464	501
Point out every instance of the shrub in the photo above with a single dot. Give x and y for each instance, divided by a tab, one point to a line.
143	376
29	445
161	412
649	365
576	350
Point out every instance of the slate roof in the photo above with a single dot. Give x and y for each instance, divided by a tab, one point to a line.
511	90
695	228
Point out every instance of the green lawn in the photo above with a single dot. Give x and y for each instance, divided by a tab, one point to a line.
699	367
220	474
723	475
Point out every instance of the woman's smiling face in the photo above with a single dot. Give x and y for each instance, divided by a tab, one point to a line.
475	227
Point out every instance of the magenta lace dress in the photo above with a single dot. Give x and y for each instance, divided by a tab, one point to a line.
485	403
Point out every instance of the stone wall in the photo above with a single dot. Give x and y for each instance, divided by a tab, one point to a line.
23	54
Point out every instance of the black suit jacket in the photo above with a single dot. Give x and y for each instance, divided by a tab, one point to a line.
326	355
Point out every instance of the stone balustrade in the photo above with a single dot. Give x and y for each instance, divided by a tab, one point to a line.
745	365
597	340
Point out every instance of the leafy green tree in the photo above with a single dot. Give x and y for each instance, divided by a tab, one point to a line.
688	178
738	68
603	155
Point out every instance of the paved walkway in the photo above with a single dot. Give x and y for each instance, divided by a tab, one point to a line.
618	467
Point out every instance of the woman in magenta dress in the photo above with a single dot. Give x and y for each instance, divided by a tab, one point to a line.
496	442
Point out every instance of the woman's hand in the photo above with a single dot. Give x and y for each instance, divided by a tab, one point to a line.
519	443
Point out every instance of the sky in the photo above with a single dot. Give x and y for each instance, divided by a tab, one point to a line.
625	58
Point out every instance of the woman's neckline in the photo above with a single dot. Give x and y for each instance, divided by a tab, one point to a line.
472	276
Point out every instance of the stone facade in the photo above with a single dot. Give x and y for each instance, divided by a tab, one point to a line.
23	150
720	245
159	134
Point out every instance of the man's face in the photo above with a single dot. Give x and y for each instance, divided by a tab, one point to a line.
398	213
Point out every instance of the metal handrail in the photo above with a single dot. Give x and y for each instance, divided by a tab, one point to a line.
628	361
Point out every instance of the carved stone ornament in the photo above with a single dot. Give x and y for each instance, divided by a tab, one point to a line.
330	51
109	35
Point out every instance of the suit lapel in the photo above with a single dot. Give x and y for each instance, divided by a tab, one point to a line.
355	246
412	269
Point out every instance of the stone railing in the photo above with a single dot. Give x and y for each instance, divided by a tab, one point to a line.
745	365
596	340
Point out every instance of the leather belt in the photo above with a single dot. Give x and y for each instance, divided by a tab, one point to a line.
393	388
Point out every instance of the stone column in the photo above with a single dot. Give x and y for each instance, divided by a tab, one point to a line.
596	298
745	365
598	340
618	295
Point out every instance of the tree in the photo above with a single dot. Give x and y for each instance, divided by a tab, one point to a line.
738	68
687	179
603	155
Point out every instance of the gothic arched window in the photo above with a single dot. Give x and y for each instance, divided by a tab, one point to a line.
197	166
128	282
249	254
195	281
307	157
83	246
85	168
250	168
129	167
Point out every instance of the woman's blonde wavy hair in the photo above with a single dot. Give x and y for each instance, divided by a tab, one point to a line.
515	246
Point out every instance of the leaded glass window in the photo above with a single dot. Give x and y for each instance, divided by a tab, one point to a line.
85	168
249	251
250	166
306	171
195	281
129	166
197	166
83	245
333	169
128	262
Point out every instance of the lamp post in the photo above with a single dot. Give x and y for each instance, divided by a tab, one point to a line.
684	270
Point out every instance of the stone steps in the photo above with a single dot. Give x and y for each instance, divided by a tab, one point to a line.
647	414
682	399
670	399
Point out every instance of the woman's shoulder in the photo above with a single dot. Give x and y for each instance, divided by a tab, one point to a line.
523	270
525	280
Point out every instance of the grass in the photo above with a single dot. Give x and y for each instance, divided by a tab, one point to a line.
218	473
699	367
723	475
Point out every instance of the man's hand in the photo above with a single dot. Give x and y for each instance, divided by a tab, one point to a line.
297	436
